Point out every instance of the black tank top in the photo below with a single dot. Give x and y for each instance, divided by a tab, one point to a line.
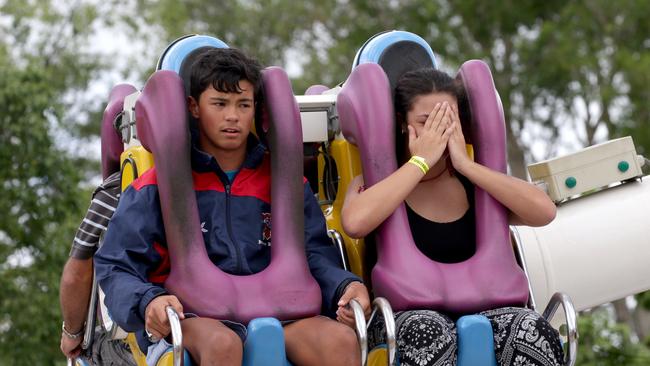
449	242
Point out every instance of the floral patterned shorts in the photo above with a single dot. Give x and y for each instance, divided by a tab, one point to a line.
428	338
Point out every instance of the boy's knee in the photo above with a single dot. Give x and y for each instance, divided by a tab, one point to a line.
343	342
211	343
225	341
346	337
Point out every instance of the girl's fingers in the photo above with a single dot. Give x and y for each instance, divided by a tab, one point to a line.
454	116
412	134
445	120
432	116
450	131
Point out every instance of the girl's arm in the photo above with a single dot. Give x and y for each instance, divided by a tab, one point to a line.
528	204
364	209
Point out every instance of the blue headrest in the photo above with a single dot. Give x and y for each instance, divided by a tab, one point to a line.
397	52
181	54
375	49
174	55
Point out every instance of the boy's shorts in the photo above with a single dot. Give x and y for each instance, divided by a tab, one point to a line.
156	350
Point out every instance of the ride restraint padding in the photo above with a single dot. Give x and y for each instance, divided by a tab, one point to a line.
406	277
285	289
112	146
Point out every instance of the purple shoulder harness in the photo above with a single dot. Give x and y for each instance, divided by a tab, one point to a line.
285	289
406	277
112	146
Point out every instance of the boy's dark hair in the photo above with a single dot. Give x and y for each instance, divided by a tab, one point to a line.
223	68
421	82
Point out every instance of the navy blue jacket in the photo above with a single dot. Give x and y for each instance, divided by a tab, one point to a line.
133	262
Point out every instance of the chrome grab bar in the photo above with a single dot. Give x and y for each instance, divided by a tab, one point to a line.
362	332
89	331
383	305
177	336
560	298
337	239
519	253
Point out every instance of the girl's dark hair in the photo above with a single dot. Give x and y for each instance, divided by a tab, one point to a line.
421	82
223	68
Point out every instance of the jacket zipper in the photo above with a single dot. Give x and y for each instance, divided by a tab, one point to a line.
229	225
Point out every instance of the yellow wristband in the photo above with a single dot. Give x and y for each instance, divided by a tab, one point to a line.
420	163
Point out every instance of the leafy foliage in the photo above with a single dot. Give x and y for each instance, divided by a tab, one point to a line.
559	67
41	201
603	342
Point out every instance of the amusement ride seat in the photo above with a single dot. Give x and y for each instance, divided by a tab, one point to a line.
285	289
491	278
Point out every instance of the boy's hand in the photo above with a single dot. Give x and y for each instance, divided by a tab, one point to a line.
156	322
355	290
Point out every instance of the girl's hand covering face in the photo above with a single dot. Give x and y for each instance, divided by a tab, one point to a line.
456	143
430	142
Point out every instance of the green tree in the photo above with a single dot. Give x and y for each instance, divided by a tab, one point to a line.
42	69
590	62
264	29
548	60
604	342
576	66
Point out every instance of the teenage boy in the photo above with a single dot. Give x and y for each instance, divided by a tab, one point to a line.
225	87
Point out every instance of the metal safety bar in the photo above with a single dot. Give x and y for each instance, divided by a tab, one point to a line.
89	331
177	336
337	239
383	305
560	298
519	252
362	332
89	326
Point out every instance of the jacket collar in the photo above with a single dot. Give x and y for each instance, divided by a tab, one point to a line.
204	162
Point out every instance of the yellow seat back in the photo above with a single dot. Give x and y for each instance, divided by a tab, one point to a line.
378	356
348	166
134	162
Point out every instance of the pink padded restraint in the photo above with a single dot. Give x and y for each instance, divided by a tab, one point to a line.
285	289
112	146
406	277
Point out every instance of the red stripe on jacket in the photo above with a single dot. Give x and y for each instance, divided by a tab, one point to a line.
162	271
248	182
146	179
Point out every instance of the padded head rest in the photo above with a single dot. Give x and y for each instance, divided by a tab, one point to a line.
181	54
175	54
112	146
316	89
396	52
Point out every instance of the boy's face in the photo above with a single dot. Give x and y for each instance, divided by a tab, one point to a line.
225	119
